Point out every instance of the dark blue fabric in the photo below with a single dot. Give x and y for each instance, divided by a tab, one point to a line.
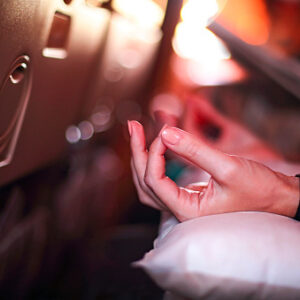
297	216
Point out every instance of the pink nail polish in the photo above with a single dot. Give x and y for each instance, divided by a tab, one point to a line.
129	127
171	136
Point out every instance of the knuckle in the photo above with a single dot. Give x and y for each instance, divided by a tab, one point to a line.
152	149
144	186
148	180
230	172
192	149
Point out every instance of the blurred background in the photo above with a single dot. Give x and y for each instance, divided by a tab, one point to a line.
72	72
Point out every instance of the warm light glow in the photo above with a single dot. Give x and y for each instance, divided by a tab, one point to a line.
96	3
144	12
218	72
248	19
201	57
199	12
126	29
198	44
221	72
57	53
130	58
192	40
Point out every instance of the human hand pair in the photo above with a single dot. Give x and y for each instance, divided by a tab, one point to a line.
236	184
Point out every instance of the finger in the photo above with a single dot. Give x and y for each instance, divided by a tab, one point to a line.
155	177
221	166
139	162
183	203
138	149
143	196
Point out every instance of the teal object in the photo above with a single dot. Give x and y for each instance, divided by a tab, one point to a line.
174	169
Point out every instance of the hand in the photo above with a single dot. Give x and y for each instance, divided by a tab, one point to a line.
236	184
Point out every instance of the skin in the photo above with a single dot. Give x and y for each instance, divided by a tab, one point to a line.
236	184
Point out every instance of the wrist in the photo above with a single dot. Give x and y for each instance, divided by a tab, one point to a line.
290	196
297	215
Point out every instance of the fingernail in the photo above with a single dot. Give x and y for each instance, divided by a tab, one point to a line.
171	136
162	129
129	127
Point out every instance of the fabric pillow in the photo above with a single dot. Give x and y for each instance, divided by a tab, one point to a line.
240	255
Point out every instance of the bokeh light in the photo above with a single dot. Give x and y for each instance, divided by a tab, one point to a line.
198	44
86	129
145	13
192	40
73	134
199	12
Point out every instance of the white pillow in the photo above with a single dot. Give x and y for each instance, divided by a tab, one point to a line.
238	255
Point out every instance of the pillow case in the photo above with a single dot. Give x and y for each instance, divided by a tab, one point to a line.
239	255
